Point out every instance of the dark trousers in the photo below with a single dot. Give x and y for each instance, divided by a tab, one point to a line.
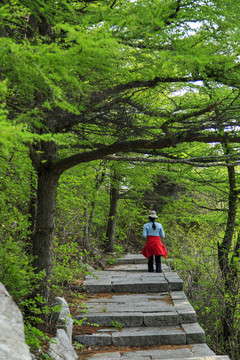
158	264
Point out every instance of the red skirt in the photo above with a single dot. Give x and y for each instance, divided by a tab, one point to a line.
154	246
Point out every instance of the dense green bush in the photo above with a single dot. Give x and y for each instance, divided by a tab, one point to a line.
16	271
69	264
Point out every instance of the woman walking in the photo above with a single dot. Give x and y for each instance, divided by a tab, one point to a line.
153	231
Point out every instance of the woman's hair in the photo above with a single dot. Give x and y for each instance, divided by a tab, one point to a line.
153	221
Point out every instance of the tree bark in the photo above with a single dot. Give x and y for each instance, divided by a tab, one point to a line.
224	247
43	156
91	218
228	267
43	235
41	24
86	243
32	213
112	216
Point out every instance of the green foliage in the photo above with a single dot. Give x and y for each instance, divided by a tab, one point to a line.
118	251
34	337
7	130
79	322
46	357
16	176
16	270
68	264
116	324
111	260
36	311
75	206
78	345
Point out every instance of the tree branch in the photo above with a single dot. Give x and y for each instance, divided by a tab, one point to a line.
171	161
207	208
120	88
129	146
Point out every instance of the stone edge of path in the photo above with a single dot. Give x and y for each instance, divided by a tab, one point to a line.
12	338
60	347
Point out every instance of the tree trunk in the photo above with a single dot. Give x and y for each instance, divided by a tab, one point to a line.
228	267
32	206
86	227
41	24
45	225
112	217
98	182
32	214
224	247
91	218
43	156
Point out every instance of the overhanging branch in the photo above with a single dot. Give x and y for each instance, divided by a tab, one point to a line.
171	161
150	83
162	142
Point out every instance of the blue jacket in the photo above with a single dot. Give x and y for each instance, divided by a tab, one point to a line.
149	231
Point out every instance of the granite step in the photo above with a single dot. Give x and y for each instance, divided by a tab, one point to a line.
183	352
132	259
135	268
122	281
118	356
134	308
148	336
131	310
135	259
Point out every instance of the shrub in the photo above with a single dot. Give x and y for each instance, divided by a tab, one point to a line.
68	264
16	271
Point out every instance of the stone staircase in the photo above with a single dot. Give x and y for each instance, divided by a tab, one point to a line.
150	311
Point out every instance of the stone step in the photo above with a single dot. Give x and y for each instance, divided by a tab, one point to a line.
140	336
139	259
131	310
120	281
144	310
135	268
125	356
132	259
131	319
183	352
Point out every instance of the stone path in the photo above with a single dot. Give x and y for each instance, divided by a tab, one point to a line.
134	308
